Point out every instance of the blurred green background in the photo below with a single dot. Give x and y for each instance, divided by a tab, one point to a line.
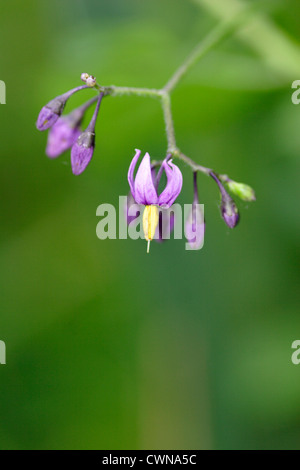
110	348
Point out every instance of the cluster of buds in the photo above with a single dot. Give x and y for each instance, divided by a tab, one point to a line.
65	130
66	133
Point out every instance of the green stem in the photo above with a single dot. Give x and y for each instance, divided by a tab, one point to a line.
215	37
166	106
122	91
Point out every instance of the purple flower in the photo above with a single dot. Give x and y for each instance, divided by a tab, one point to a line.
143	187
144	190
66	131
50	113
229	209
195	225
83	149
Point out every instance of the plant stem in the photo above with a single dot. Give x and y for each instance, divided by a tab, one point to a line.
216	36
166	106
122	91
194	166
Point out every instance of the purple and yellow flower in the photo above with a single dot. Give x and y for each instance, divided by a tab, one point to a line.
195	224
83	149
144	190
50	113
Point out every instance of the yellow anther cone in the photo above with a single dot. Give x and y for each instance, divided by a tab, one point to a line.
150	222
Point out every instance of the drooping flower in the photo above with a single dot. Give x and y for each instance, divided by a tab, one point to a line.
50	113
144	191
229	209
83	149
195	224
66	131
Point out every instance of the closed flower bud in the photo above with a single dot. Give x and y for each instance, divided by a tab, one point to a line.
243	191
195	224
88	79
229	209
66	131
82	151
84	77
50	113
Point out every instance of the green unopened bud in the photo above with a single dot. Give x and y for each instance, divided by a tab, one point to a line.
243	191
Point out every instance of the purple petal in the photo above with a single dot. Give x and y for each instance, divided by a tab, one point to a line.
174	184
144	189
131	171
61	137
80	157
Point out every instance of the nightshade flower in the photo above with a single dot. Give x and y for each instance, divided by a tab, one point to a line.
83	149
50	113
66	131
195	224
144	191
229	210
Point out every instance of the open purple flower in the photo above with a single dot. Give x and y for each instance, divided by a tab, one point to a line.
83	149
195	225
50	113
144	190
229	209
66	131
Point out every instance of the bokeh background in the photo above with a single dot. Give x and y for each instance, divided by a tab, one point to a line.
110	348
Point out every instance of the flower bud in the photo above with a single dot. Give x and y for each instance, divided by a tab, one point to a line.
229	209
50	113
61	137
84	77
82	152
195	224
66	131
88	79
243	191
91	81
195	227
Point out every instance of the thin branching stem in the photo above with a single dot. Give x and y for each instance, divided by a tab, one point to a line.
215	37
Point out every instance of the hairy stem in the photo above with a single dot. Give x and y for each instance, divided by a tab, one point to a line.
166	106
122	91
